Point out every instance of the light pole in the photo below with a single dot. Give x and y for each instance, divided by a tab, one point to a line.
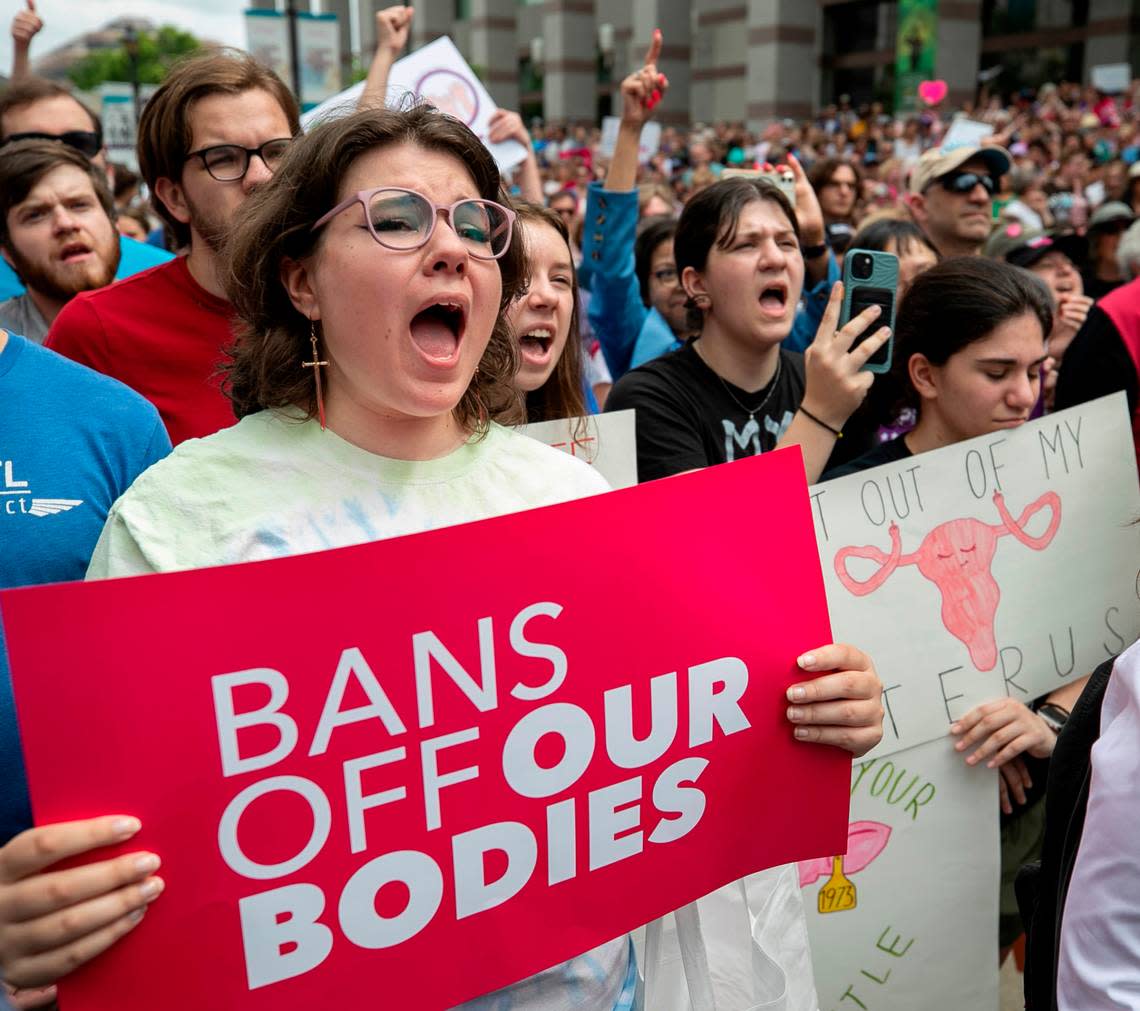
295	56
131	45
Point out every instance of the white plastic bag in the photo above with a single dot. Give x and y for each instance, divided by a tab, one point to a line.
744	947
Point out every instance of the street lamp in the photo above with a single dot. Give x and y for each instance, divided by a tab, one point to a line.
131	45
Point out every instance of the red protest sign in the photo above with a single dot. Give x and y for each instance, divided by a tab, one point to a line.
435	765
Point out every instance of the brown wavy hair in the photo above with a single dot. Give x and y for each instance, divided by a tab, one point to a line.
561	395
276	223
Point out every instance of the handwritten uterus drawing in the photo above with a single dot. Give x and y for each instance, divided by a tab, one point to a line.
956	557
865	841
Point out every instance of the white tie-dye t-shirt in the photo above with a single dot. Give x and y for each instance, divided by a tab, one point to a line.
275	485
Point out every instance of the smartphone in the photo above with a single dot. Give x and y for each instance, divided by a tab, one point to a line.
871	278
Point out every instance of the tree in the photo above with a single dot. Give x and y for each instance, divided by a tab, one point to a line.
157	51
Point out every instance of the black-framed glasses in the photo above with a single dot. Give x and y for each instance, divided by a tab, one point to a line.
964	182
403	219
87	142
666	275
230	162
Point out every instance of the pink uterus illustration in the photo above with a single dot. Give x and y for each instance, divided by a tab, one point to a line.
865	841
956	557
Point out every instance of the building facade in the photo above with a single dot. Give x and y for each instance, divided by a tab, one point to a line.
748	60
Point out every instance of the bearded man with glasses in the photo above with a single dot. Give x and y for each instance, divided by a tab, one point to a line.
951	196
212	133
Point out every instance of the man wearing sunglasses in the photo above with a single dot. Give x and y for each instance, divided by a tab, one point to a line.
213	132
37	109
951	196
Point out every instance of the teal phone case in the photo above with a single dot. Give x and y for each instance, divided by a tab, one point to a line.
884	278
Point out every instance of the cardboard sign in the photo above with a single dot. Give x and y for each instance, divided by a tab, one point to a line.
607	441
1112	78
649	143
318	43
438	74
908	917
1004	565
431	766
965	132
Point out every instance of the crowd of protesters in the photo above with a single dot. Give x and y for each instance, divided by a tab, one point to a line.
236	300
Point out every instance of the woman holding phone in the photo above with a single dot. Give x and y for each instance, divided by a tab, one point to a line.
733	391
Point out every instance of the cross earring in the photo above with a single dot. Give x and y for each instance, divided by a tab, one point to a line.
315	365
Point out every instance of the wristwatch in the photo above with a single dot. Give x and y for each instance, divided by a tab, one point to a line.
1055	716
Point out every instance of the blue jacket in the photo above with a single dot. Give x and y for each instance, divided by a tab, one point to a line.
629	332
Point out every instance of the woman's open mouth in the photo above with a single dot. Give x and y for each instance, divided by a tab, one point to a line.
437	329
774	301
535	345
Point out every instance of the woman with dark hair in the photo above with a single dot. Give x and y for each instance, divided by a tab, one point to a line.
544	320
970	349
370	278
733	391
958	318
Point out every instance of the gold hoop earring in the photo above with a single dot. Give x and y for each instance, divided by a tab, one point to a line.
316	365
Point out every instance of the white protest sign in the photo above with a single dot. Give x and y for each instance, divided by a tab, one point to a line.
606	441
1003	565
438	74
908	918
965	132
1112	78
647	146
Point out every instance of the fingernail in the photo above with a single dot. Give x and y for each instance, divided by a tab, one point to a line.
123	827
797	693
152	888
972	760
959	746
795	713
137	915
807	661
955	728
885	331
991	764
801	733
147	863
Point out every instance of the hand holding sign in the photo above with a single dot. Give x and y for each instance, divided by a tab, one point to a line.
53	921
644	89
844	707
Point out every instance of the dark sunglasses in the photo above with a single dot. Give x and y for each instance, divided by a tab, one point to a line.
964	182
87	142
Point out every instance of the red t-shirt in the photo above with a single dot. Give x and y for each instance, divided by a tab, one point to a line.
163	335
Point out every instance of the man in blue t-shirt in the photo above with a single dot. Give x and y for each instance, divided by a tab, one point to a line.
71	442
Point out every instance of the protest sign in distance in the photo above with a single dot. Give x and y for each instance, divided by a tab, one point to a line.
606	441
1005	565
431	766
908	919
437	74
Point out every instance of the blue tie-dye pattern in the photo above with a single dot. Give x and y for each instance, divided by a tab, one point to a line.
358	515
272	542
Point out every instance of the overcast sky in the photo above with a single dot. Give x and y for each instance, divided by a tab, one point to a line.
220	20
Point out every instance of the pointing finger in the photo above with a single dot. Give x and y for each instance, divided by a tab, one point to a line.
653	54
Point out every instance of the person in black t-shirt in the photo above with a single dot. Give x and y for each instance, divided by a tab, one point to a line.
732	391
969	352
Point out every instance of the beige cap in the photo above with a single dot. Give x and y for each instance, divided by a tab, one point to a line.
936	163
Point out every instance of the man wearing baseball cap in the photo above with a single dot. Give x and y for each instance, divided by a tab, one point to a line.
951	196
1056	258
